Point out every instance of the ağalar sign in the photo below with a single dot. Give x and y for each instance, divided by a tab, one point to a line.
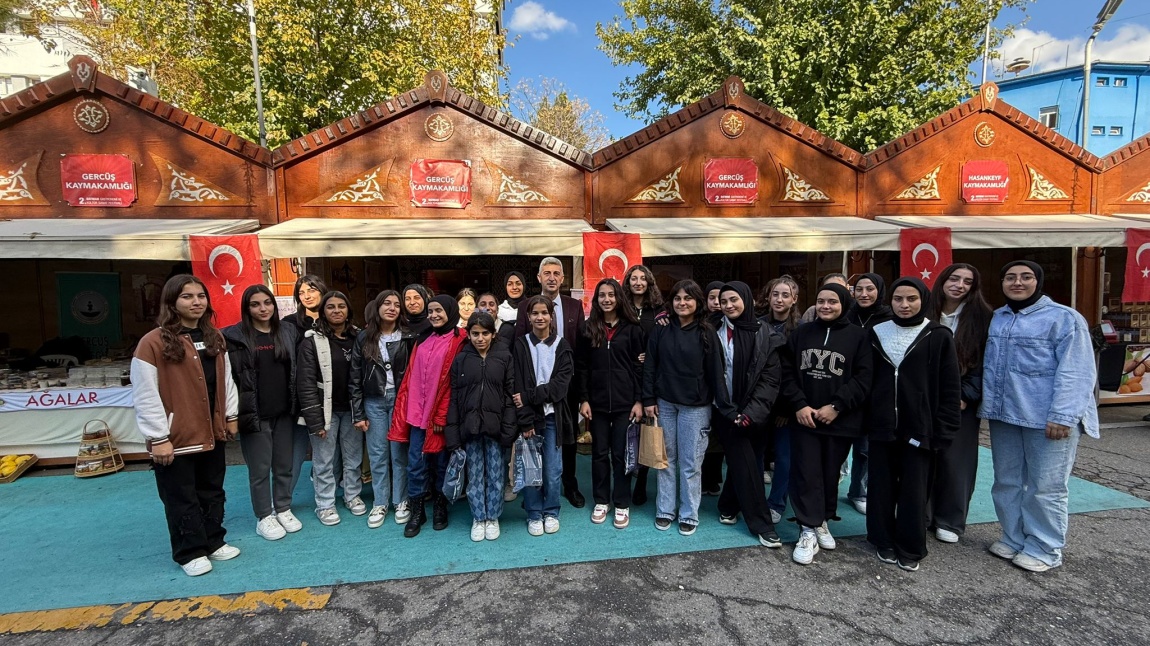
66	399
441	183
730	180
985	181
98	180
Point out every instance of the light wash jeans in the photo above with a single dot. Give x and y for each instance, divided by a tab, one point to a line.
544	501
341	439
780	482
388	460
301	442
485	473
858	470
1030	492
685	433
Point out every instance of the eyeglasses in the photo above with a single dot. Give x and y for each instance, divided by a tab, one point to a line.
1015	278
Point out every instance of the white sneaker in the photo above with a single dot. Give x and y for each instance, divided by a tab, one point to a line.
289	522
478	530
945	535
599	514
270	528
508	494
328	516
768	476
860	506
197	566
402	513
622	518
225	553
377	516
1002	550
356	506
492	530
535	527
1028	562
806	548
776	517
550	524
826	541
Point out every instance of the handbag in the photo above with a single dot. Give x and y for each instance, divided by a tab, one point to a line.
652	450
453	482
631	457
528	463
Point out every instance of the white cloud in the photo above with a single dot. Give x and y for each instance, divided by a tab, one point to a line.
1126	43
533	19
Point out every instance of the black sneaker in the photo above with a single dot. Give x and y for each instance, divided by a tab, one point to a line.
770	539
887	555
728	520
662	524
910	565
686	529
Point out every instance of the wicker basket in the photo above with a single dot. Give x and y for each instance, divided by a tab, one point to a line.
98	454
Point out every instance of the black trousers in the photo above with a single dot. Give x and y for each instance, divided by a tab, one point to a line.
815	462
955	472
609	480
743	490
192	490
712	468
570	451
896	501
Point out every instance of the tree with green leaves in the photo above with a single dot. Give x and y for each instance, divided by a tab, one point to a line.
547	104
320	60
860	71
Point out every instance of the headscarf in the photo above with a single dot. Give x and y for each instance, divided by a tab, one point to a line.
745	327
714	317
1038	274
875	314
514	302
417	323
923	293
452	308
844	295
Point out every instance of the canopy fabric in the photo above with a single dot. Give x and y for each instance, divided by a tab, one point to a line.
1014	231
689	236
326	238
94	239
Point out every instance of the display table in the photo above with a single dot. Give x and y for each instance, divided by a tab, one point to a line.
50	423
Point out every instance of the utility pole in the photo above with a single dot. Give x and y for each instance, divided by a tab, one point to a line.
256	68
1104	15
986	41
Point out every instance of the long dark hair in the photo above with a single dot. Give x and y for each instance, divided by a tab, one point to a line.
170	322
316	283
321	323
793	316
653	297
596	324
373	329
247	325
973	324
694	291
540	300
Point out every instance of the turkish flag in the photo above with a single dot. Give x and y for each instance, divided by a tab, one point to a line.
228	265
1137	286
608	255
925	253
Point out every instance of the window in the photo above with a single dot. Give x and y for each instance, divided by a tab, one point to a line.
1120	81
5	85
1049	116
1115	131
1097	130
1102	81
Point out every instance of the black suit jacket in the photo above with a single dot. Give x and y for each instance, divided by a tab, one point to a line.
573	322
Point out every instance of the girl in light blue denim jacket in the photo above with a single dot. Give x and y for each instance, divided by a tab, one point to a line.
1039	374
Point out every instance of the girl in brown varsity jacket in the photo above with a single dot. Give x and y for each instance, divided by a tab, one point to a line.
186	407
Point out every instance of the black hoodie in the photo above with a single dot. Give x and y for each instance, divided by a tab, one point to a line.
680	364
829	363
609	377
481	397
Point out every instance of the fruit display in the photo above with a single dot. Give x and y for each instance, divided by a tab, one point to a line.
11	466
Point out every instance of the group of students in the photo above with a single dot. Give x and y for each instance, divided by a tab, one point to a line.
903	379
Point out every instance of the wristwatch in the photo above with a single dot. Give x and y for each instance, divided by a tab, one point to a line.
835	407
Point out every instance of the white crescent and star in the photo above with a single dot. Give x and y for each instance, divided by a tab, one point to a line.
1138	259
229	250
926	246
612	253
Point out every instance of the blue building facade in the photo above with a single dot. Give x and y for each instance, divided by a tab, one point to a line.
1119	102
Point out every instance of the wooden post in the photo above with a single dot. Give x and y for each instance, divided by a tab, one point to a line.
1088	298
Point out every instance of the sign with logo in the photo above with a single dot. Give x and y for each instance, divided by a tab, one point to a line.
985	181
730	180
441	183
89	306
98	180
66	399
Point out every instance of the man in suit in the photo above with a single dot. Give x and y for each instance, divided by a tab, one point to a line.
570	324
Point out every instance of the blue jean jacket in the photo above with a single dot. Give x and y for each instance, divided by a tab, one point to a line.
1039	367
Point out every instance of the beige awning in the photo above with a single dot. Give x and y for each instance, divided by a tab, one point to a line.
1014	231
686	236
326	238
89	239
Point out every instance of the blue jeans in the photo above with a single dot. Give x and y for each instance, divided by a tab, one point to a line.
341	439
859	471
685	433
388	459
777	500
485	473
1030	492
544	501
421	466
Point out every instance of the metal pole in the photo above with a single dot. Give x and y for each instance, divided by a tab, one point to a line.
256	68
1086	90
986	41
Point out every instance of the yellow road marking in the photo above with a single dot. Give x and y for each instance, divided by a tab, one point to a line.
162	611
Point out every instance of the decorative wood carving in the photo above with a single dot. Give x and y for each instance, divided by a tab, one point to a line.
663	191
924	189
511	191
180	187
18	182
733	124
798	189
439	127
1042	188
984	134
91	116
1141	195
366	189
989	93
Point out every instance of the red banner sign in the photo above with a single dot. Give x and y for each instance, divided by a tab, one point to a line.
1136	288
227	265
925	253
730	180
985	181
98	180
608	255
441	183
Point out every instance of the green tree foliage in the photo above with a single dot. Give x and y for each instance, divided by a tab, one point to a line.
860	71
320	60
546	104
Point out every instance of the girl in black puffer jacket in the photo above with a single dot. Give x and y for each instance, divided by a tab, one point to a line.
481	418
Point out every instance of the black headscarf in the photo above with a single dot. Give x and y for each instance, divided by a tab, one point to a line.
923	293
875	314
714	317
1038	274
745	327
452	308
417	323
514	302
844	295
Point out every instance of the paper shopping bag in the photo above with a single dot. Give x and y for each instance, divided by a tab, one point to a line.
652	451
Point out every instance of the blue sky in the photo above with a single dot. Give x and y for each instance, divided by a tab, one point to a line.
556	38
